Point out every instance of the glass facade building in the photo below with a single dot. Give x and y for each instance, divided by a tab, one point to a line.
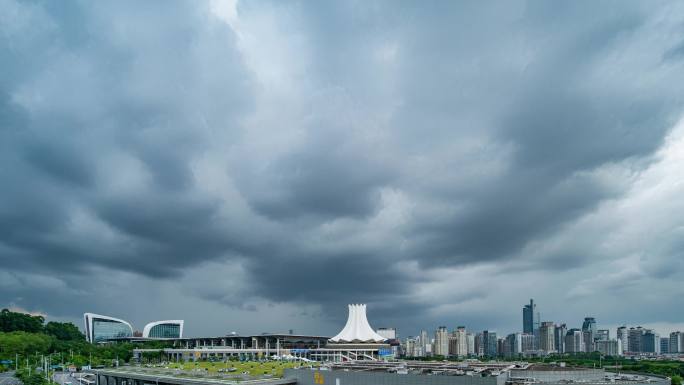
100	328
165	331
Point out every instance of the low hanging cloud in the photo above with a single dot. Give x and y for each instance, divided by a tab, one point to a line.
441	162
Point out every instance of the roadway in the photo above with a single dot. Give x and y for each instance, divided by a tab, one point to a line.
62	377
7	378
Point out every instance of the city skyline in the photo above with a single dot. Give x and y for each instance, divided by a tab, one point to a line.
256	166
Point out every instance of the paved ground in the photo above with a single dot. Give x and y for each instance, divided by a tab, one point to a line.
61	378
8	378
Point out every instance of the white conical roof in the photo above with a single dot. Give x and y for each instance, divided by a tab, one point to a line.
357	328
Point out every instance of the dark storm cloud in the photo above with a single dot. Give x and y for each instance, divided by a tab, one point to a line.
314	154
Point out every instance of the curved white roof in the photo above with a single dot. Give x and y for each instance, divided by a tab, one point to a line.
357	329
88	318
149	326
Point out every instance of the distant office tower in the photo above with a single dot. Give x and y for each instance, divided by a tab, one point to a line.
574	341
561	331
676	342
490	343
470	338
588	341
424	344
609	347
589	324
650	342
513	345
388	333
500	346
442	341
634	339
527	342
623	336
664	344
547	337
602	335
409	347
529	312
458	342
479	345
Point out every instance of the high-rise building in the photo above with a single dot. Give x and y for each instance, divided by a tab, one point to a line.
650	342
490	343
423	344
589	328
527	342
634	344
602	335
479	345
623	336
574	341
676	342
470	338
458	342
547	337
589	324
409	347
513	345
529	322
500	346
588	341
609	347
442	341
664	344
561	331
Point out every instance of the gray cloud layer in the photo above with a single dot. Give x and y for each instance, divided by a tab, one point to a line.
443	162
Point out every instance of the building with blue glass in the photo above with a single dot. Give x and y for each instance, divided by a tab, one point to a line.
164	329
101	328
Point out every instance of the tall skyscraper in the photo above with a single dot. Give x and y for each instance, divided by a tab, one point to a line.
470	338
589	325
513	345
561	331
490	343
634	339
589	333
547	332
676	342
442	341
574	341
529	322
609	347
623	336
527	342
479	345
458	342
650	342
602	335
665	345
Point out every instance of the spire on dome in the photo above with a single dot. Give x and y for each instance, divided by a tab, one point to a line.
357	329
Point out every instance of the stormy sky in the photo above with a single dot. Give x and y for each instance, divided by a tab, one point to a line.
255	166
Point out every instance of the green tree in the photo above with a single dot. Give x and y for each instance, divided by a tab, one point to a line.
65	331
24	343
676	380
12	321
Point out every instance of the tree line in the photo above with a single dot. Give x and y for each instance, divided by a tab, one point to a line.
28	338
